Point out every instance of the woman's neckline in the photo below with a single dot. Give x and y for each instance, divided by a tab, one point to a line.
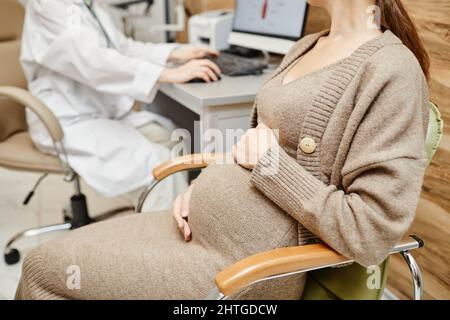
325	67
309	74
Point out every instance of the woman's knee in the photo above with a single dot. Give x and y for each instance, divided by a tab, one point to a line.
38	281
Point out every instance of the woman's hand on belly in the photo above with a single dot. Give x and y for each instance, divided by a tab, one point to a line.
253	145
180	212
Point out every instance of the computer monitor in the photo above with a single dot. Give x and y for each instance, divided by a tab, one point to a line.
268	25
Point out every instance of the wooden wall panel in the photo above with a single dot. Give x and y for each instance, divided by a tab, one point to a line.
202	5
433	214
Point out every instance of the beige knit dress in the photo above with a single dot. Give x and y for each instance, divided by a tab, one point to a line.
358	196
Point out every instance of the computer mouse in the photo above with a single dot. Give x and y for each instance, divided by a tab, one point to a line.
197	80
200	80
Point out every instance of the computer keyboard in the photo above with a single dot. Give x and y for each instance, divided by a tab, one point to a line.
234	66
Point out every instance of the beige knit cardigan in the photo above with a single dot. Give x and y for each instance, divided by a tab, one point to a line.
359	188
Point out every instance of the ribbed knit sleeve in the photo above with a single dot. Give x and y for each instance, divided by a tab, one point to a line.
369	211
283	180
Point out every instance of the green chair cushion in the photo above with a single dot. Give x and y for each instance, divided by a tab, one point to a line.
345	283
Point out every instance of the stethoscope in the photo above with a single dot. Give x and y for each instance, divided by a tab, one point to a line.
90	5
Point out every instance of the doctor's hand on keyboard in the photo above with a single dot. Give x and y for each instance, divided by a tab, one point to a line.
235	66
202	69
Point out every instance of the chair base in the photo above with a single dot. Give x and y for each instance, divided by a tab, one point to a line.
80	218
12	255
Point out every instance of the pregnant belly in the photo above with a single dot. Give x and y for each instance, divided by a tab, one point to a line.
227	210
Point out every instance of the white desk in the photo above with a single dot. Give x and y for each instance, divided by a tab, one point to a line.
229	91
222	105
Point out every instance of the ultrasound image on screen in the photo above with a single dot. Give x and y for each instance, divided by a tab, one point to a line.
284	18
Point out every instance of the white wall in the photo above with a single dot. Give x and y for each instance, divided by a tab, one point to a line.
143	24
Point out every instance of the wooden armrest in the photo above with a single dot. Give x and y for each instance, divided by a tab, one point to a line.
185	163
26	99
281	261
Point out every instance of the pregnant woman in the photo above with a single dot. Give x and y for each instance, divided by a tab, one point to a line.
350	105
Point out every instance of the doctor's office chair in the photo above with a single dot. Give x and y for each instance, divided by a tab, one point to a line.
17	151
331	276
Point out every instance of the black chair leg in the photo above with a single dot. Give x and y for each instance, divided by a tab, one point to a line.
80	214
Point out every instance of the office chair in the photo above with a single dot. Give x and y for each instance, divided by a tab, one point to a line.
331	276
17	151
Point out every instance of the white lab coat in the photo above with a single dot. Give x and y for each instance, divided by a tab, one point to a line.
91	89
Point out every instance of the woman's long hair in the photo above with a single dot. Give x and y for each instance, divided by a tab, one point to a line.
395	17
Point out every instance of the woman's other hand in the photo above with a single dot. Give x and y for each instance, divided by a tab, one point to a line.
195	69
180	211
187	53
253	145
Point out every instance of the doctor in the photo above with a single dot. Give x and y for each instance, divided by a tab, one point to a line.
90	75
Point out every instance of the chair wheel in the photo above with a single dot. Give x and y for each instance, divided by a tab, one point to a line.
12	257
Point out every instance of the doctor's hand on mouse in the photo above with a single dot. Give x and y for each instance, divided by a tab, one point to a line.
194	66
247	153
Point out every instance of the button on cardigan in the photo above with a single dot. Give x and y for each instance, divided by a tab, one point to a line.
356	179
